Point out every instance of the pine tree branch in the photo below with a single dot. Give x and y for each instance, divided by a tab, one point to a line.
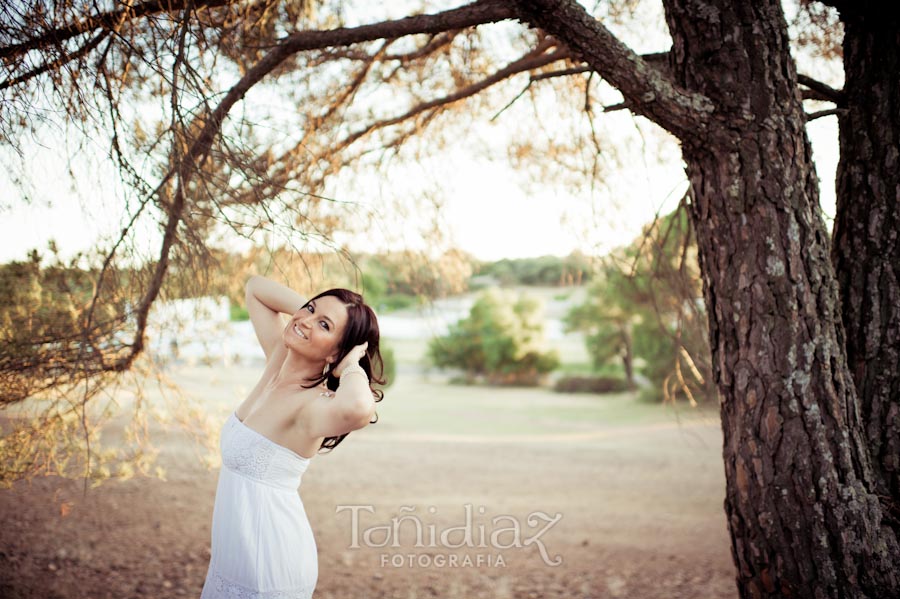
560	73
817	115
53	64
648	90
821	91
106	20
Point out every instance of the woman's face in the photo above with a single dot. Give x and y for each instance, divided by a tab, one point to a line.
316	329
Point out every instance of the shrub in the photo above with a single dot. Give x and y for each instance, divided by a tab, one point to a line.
390	364
500	341
590	384
239	313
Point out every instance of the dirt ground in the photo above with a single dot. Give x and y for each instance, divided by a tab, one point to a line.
639	500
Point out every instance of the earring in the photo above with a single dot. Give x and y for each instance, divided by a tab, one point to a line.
326	369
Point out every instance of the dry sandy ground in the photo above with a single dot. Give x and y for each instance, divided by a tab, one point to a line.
640	505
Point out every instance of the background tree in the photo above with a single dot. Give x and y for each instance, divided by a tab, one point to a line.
802	488
647	306
607	323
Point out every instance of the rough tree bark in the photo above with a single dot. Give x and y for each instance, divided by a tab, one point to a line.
800	499
866	238
800	504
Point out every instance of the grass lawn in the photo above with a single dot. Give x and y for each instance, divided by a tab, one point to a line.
421	401
425	407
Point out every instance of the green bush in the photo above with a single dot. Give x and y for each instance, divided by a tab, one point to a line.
590	384
390	365
239	313
500	341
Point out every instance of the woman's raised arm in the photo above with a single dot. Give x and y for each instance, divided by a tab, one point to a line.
352	406
266	301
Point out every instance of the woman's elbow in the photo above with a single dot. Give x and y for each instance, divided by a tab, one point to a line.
359	413
250	286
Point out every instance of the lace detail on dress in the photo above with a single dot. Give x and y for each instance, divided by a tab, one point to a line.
250	459
233	590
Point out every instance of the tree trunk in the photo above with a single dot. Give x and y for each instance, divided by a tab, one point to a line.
803	517
628	356
801	499
866	249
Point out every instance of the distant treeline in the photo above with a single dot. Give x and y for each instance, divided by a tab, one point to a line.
391	280
544	271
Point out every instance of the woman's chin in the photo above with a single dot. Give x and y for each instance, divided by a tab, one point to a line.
293	346
296	347
292	343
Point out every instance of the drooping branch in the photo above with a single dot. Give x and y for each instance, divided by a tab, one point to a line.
466	16
657	59
440	40
535	59
542	77
647	89
435	43
198	150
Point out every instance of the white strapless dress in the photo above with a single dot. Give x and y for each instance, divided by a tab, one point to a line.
262	544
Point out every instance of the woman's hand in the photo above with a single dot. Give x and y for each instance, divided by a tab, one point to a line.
353	357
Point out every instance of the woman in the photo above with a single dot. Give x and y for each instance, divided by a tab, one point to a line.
315	389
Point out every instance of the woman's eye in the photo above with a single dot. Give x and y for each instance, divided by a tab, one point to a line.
311	308
324	324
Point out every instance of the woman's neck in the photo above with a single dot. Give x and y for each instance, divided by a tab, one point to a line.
296	370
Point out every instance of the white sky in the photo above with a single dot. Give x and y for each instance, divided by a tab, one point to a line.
486	213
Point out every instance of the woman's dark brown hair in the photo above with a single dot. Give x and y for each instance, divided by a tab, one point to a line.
362	326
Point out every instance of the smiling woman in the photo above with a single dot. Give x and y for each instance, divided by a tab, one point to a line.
316	388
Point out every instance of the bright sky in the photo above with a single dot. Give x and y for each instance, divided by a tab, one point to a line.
486	213
492	217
